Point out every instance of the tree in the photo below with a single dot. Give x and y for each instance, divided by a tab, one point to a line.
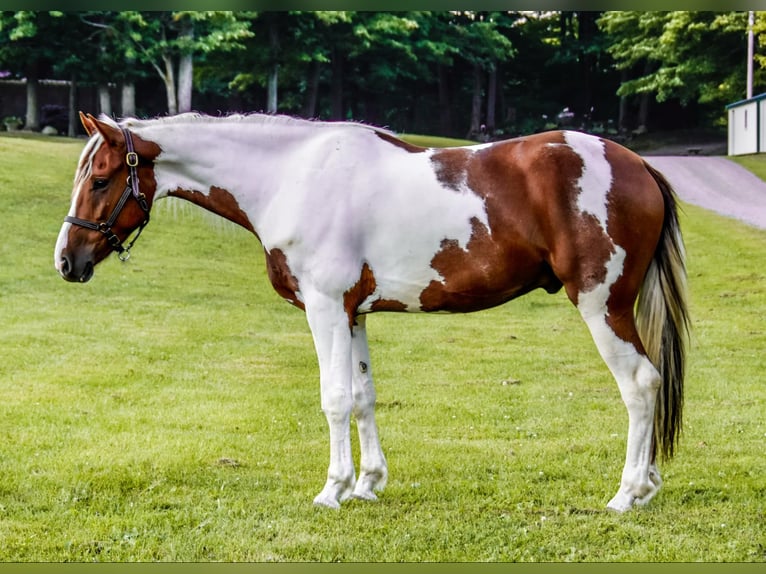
29	44
693	57
169	42
482	46
109	60
446	72
581	50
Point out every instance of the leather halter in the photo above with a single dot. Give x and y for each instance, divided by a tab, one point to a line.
131	189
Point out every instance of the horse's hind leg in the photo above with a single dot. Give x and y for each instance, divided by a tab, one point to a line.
373	472
612	326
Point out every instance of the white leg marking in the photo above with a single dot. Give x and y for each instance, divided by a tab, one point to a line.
638	382
332	338
373	471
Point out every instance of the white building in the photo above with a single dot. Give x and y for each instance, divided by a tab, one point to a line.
747	126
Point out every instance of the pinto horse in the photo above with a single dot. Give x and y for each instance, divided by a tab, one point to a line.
353	220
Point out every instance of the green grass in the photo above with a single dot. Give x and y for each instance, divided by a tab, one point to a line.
755	163
435	141
169	409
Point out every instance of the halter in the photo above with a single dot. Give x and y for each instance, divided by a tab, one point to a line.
105	227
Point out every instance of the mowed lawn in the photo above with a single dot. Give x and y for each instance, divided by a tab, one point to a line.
169	409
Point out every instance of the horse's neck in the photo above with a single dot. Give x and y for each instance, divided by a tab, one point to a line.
197	156
245	159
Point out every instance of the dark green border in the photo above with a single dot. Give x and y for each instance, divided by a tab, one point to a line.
384	4
375	568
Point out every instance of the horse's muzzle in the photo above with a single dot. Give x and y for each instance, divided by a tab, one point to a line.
73	272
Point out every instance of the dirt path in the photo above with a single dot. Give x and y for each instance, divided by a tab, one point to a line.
716	183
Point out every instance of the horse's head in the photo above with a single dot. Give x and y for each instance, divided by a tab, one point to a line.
113	191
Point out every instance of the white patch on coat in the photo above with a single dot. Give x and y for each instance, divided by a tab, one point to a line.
596	178
593	308
594	302
331	198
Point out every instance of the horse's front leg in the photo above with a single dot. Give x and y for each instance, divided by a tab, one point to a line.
373	471
332	338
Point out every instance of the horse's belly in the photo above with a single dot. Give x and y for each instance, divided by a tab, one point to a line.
460	281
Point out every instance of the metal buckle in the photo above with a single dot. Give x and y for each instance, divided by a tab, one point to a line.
132	159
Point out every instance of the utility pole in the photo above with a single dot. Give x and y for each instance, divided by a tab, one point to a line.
750	22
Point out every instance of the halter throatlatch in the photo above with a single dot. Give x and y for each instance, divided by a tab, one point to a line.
131	189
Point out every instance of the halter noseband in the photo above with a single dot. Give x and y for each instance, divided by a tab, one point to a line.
105	227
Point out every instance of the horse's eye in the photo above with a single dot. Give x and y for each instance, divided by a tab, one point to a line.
100	184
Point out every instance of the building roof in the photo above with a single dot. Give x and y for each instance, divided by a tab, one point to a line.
757	98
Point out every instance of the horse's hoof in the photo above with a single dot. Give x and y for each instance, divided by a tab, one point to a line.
364	495
326	502
620	503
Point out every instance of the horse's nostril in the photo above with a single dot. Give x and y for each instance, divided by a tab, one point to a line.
87	273
64	265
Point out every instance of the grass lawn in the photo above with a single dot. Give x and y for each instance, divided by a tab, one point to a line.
169	409
755	163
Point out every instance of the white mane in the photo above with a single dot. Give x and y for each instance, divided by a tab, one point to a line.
253	118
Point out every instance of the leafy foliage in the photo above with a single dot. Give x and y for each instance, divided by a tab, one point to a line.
411	70
691	56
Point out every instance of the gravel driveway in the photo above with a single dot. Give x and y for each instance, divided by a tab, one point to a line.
716	183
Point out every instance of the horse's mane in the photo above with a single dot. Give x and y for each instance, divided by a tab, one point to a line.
251	118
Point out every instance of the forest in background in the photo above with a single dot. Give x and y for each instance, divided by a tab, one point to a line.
452	73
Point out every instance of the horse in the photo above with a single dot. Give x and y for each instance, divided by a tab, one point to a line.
354	220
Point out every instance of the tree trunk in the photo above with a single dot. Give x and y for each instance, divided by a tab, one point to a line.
643	112
336	88
33	114
622	118
185	82
71	129
273	82
170	85
186	70
272	100
445	111
643	107
312	91
491	100
128	100
475	128
104	100
587	30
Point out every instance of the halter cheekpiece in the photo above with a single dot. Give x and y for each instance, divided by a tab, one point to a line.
131	189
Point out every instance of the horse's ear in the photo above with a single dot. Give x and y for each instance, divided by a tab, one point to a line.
87	123
111	135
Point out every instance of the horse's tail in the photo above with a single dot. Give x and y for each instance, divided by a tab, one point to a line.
662	319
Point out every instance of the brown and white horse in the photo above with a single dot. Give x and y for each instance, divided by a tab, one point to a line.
354	220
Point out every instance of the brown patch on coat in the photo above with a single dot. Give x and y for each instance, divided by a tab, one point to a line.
219	201
636	214
450	166
412	148
388	305
537	235
361	291
282	278
512	256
